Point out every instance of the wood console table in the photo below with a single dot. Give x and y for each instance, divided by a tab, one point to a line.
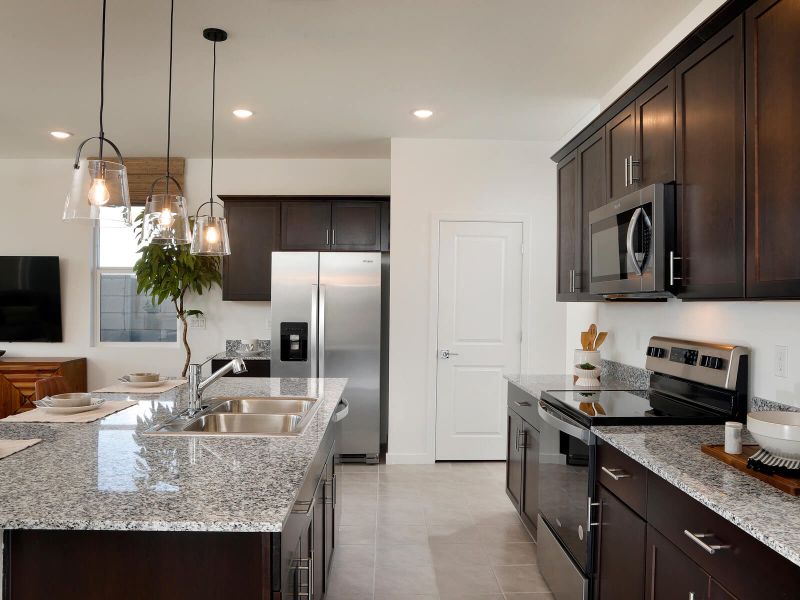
19	375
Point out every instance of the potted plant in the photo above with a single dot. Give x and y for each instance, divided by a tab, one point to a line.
588	374
169	273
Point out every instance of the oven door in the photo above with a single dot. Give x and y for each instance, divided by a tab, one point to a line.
629	242
566	464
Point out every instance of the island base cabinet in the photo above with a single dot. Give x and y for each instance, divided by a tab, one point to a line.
131	565
671	575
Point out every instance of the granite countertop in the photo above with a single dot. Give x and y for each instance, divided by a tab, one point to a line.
108	475
673	452
535	384
231	354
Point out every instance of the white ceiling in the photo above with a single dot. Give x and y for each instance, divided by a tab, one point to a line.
326	78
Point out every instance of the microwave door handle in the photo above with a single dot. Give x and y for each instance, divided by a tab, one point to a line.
562	425
629	239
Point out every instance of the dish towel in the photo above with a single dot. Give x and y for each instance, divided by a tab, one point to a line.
124	388
40	416
9	447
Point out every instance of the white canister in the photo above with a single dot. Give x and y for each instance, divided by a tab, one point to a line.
588	356
733	437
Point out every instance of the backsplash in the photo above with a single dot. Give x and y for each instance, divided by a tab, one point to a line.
639	378
234	346
757	403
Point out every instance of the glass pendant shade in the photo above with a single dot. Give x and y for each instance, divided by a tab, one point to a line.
166	222
210	236
99	191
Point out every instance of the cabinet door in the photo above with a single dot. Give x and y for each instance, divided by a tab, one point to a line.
306	225
355	225
710	146
514	459
568	232
592	192
318	543
329	475
254	231
620	148
655	139
717	592
529	508
621	545
773	171
671	575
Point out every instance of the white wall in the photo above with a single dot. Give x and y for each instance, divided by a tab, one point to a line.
467	178
32	201
760	325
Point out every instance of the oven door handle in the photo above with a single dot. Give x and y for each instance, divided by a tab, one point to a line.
562	424
629	239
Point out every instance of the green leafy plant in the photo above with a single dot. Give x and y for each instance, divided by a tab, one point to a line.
587	366
169	273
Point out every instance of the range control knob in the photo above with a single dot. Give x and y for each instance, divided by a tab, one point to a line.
656	352
711	362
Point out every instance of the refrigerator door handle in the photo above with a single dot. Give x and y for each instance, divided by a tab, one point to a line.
312	342
321	336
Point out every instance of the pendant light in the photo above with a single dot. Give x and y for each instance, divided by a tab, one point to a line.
99	189
210	234
166	222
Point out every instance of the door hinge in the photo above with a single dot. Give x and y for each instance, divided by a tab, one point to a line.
522	248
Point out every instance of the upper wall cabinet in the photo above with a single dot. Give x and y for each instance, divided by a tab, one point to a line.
710	146
568	229
356	225
620	148
592	195
254	231
654	161
773	134
338	224
306	225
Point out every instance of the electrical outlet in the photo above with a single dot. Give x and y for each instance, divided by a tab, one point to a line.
781	361
197	322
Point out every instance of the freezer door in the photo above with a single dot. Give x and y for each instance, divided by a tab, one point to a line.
350	342
295	285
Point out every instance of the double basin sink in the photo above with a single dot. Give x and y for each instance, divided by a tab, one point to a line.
244	416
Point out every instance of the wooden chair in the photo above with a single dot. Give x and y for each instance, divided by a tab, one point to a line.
51	386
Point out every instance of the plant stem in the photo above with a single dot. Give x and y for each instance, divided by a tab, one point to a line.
185	333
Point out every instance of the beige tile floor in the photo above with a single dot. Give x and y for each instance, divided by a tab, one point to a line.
432	532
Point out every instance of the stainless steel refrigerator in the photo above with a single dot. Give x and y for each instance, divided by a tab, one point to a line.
326	322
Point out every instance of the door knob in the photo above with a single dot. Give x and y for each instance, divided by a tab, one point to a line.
445	354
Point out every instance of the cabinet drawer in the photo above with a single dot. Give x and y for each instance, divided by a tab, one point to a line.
525	405
622	476
743	565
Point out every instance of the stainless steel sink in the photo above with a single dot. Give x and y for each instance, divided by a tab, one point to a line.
244	416
244	424
265	406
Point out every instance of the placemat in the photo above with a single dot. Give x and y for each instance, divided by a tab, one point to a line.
39	416
124	388
9	447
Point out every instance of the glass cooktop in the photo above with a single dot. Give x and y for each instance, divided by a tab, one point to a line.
628	408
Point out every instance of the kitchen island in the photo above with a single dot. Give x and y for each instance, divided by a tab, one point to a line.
174	516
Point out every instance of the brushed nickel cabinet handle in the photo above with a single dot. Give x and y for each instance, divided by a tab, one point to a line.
626	172
615	474
698	538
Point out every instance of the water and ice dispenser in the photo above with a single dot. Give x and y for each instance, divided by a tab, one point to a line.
294	341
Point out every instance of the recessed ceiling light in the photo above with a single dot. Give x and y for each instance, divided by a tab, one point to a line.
423	113
61	135
243	113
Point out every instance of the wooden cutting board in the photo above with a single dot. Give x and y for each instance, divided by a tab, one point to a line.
790	485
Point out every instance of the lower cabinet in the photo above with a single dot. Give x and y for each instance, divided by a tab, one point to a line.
620	540
514	458
522	456
529	508
672	574
255	368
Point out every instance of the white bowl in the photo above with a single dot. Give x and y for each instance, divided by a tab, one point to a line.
70	400
143	377
776	431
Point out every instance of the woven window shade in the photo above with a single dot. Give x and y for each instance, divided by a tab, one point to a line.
144	170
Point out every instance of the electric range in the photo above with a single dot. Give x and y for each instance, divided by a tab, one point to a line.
690	383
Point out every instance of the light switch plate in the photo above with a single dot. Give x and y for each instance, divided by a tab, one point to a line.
197	322
781	361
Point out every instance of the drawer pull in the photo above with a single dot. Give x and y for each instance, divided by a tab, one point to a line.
615	474
697	538
525	403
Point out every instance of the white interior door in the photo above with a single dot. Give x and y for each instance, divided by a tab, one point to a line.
479	336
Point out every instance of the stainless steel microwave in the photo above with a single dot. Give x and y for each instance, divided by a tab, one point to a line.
633	244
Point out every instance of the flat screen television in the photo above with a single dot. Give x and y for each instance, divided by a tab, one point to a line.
30	299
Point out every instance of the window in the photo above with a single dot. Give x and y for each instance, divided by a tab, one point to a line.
124	315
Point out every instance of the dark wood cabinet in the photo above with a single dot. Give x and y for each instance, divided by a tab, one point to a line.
330	516
654	159
710	158
385	218
306	225
671	575
318	542
568	251
356	226
529	507
773	163
254	232
592	194
620	546
514	458
620	136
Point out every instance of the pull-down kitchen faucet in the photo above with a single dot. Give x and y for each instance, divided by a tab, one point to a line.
197	384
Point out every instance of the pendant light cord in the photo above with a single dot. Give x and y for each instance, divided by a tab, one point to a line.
213	109
102	76
169	93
